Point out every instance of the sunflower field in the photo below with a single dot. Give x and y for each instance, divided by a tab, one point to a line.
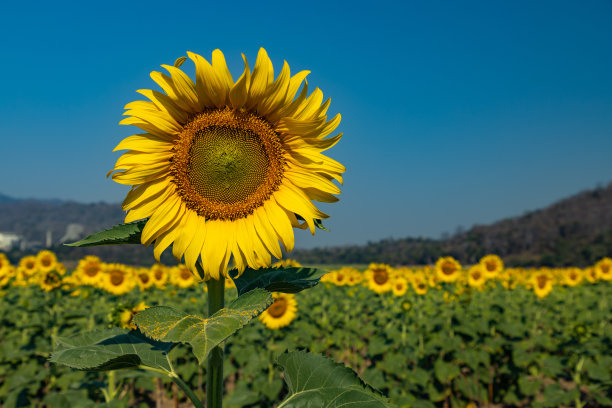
433	336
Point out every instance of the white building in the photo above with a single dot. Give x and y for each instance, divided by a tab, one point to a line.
9	240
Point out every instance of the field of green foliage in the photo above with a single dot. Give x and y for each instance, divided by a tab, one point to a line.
496	347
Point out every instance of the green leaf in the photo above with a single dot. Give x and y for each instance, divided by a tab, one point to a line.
203	334
315	381
286	280
111	350
117	235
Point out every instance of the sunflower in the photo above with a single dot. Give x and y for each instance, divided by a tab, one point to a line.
159	273
182	277
353	276
46	260
572	276
281	312
144	278
29	265
591	274
340	277
6	274
448	269
476	277
419	283
542	284
378	277
4	262
492	265
118	279
226	168
400	286
50	280
89	270
604	269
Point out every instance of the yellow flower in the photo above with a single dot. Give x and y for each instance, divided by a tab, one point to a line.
46	260
476	276
400	286
28	265
419	283
89	270
448	269
280	313
4	262
182	277
378	277
118	279
591	274
159	273
542	283
492	265
572	276
227	168
340	277
144	278
50	280
604	269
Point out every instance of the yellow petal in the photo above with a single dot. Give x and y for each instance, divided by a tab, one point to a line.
167	84
184	86
188	227
208	84
263	76
266	232
240	91
144	142
165	103
163	217
276	94
143	192
280	222
220	67
195	246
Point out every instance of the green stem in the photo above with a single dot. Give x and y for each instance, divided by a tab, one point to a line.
112	390
190	394
214	371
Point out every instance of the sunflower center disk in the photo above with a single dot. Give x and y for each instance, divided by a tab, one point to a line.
227	165
278	308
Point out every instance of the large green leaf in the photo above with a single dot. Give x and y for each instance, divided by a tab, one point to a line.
119	234
110	350
315	381
286	280
203	334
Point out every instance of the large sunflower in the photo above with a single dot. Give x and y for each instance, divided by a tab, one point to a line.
226	168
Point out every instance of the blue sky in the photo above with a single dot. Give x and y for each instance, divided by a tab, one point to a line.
454	113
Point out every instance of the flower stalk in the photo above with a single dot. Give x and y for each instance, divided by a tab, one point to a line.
214	368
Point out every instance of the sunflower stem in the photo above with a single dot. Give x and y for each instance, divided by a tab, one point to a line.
214	368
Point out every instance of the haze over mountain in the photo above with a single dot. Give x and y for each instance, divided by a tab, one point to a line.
573	231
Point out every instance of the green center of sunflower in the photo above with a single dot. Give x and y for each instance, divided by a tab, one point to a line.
227	163
278	308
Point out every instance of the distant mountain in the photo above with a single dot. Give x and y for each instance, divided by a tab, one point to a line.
573	231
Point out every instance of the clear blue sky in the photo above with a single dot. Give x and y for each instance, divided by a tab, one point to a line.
454	113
